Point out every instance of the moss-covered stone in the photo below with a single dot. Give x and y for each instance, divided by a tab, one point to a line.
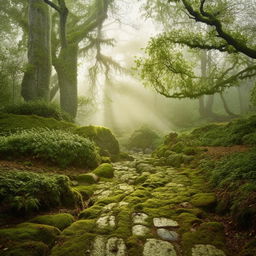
204	200
86	191
102	137
87	178
30	248
104	170
60	221
187	220
30	231
79	227
208	233
74	245
91	212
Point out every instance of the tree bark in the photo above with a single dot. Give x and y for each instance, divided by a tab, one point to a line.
66	68
36	80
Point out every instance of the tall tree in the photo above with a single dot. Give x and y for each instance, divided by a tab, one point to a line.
72	31
36	80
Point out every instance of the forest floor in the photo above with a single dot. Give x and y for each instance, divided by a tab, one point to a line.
148	210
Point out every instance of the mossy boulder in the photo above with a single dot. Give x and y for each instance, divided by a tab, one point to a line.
30	231
104	170
102	137
60	221
79	227
87	178
204	200
29	248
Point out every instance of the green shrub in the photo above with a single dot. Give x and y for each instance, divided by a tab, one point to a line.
143	138
39	108
58	147
28	192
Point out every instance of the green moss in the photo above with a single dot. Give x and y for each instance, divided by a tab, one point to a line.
10	123
104	170
187	220
60	221
102	137
87	178
73	199
77	245
30	231
134	246
208	233
204	200
79	227
91	212
111	199
123	156
86	191
30	248
141	179
124	223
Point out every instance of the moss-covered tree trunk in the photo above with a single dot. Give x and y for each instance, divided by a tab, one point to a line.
66	68
36	80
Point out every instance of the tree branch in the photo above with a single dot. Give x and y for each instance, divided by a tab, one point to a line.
53	5
211	20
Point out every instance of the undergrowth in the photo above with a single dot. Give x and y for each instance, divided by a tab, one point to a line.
58	147
26	192
234	178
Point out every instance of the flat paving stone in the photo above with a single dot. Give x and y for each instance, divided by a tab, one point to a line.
154	247
168	235
206	250
112	247
164	222
139	218
140	230
106	221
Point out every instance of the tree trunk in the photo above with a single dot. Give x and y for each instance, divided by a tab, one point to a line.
225	105
201	107
66	67
36	80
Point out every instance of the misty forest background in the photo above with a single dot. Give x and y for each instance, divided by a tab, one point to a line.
100	95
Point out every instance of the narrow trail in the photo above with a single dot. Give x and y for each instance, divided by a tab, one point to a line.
147	210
